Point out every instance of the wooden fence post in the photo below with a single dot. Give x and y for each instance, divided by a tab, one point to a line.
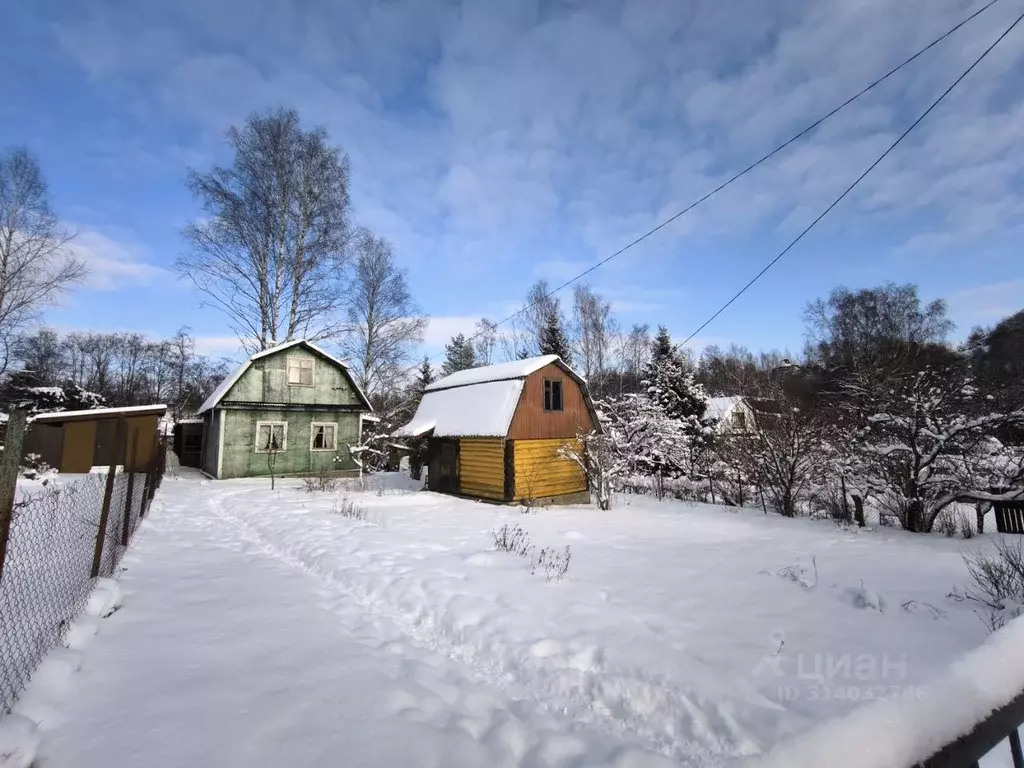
126	527
9	465
108	493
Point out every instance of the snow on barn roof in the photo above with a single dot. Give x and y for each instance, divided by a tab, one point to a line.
719	407
224	387
480	402
478	410
101	413
516	369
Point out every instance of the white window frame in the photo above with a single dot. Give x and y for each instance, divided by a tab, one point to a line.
271	424
312	435
299	362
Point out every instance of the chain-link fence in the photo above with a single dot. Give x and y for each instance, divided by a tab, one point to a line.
59	540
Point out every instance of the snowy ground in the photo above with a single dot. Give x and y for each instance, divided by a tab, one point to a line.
260	629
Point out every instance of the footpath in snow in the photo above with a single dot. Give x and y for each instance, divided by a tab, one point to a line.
259	628
230	653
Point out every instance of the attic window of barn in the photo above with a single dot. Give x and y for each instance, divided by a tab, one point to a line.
739	420
552	394
300	371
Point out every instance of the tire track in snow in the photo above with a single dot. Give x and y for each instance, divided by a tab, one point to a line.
632	705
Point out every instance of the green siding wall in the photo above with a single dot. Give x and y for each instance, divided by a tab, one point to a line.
266	381
241	459
211	440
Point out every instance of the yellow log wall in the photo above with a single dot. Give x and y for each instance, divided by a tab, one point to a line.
482	468
540	472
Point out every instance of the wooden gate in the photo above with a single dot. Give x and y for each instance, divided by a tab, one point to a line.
1009	516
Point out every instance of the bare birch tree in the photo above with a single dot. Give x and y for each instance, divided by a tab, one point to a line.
486	339
271	248
593	329
384	324
36	263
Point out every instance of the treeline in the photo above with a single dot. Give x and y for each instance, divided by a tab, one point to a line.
879	409
87	370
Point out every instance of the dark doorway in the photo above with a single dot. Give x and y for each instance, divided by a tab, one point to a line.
448	466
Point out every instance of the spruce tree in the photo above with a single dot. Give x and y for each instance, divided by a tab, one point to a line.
459	355
426	375
661	347
553	340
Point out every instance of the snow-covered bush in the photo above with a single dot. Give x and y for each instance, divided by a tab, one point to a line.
348	508
34	468
513	539
53	399
926	440
554	562
997	581
516	541
596	455
946	523
321	482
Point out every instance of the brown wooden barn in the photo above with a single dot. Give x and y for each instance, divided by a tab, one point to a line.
494	432
77	441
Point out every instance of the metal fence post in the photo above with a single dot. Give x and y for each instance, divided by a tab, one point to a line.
150	489
126	527
108	493
9	465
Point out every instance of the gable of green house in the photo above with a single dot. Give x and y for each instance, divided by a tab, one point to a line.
266	382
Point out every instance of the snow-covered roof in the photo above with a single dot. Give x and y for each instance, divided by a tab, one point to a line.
97	413
473	410
719	407
225	386
516	369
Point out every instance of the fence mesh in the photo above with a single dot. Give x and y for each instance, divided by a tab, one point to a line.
46	576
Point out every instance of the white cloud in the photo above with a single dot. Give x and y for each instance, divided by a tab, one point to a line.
441	329
218	346
985	304
112	263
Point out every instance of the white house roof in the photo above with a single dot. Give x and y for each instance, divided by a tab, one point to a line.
719	407
516	369
473	410
224	387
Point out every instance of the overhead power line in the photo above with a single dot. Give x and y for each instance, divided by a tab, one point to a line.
743	172
857	181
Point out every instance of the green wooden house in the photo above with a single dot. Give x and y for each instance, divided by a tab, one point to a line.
293	408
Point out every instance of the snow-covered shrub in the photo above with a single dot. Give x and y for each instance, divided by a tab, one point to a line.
828	498
348	508
596	455
926	440
513	539
321	482
554	562
964	524
801	575
997	581
34	468
946	523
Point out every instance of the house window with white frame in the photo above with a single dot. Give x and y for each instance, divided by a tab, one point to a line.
300	371
739	420
323	436
271	436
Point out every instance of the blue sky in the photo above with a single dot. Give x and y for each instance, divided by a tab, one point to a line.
495	143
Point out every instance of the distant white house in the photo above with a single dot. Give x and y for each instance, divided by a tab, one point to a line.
730	414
